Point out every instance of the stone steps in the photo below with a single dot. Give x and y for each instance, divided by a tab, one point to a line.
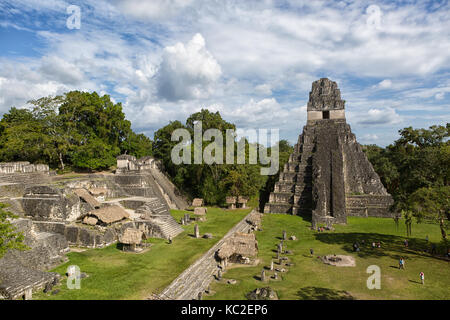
156	206
170	228
273	207
25	178
169	188
159	216
293	192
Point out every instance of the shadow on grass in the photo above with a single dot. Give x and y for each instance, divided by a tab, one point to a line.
315	293
391	246
413	281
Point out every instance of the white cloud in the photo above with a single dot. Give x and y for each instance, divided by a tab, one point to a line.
385	84
380	117
152	9
439	95
57	69
369	137
139	52
187	71
265	89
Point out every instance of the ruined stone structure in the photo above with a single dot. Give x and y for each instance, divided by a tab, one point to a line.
45	203
22	272
236	202
147	173
328	177
238	248
22	167
155	220
131	240
85	210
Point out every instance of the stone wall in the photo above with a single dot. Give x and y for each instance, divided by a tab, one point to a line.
96	181
328	174
23	271
369	205
77	235
22	167
53	204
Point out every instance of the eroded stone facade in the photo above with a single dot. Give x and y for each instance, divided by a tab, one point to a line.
328	177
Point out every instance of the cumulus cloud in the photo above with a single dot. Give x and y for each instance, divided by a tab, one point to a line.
187	71
57	69
369	137
385	84
139	52
381	116
264	89
439	95
153	9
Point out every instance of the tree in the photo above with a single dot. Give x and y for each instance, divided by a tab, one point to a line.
45	112
420	158
138	145
79	129
408	222
23	137
163	144
9	237
95	154
432	204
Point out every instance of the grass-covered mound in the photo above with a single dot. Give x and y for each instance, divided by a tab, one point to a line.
310	278
113	274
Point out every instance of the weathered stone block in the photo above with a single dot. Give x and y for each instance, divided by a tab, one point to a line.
72	234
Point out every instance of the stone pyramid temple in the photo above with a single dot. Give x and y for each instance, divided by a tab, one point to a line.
328	177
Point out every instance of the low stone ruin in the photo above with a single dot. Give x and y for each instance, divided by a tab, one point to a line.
106	215
238	248
77	235
265	293
242	202
145	177
197	202
200	213
22	167
127	163
18	281
231	202
22	272
132	239
339	260
255	220
52	203
236	202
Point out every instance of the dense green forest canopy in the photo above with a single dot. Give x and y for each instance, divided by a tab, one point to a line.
415	170
214	182
79	129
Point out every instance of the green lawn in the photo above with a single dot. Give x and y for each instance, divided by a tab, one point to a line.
114	274
309	278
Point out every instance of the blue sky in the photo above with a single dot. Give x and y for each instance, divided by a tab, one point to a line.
254	61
